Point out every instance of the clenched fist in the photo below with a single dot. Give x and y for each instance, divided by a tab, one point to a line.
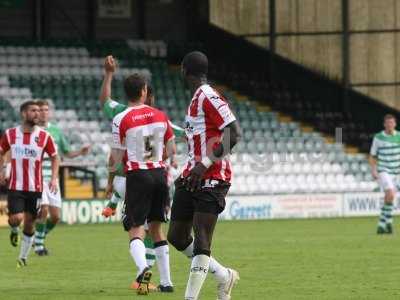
110	64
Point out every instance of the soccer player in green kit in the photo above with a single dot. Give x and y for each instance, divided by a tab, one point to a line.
385	166
116	180
51	202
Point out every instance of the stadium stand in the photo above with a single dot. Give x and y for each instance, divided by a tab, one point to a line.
277	154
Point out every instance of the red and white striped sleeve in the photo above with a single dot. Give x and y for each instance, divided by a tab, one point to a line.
50	147
4	144
218	111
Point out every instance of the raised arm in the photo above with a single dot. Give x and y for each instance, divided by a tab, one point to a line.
109	69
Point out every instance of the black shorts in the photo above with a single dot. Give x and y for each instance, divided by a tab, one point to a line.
147	196
19	202
210	199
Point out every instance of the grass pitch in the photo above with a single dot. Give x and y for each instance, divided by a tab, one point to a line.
294	259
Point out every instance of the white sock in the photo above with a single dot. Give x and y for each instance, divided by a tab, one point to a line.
162	259
26	246
220	273
189	250
198	273
115	199
138	253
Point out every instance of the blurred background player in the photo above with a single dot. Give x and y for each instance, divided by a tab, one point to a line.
212	131
385	166
27	143
117	180
51	202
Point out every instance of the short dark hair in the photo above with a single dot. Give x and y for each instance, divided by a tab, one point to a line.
42	103
24	106
149	91
133	86
389	116
195	63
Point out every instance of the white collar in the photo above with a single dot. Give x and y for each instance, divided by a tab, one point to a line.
385	134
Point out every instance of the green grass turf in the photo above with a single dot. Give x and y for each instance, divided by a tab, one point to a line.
294	259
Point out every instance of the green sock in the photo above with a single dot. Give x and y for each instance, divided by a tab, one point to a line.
382	219
112	205
150	254
14	229
49	226
40	235
387	211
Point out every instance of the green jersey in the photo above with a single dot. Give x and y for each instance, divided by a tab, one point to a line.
61	143
386	148
112	108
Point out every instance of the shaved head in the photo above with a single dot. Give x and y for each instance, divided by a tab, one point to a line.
195	63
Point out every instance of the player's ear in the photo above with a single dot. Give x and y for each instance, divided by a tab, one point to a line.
144	91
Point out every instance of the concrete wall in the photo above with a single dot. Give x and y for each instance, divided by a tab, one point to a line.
310	33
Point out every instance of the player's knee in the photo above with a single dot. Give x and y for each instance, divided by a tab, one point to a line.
29	225
202	246
389	196
171	237
156	232
29	228
176	241
43	212
15	220
55	219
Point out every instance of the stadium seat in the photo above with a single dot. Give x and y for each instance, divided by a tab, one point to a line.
271	154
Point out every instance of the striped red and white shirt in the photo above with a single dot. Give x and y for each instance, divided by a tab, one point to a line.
27	150
144	131
207	115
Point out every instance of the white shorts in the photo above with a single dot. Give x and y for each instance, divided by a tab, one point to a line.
388	181
49	198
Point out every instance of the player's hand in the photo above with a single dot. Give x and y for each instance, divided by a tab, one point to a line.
85	150
193	181
375	174
109	64
53	186
109	190
174	163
